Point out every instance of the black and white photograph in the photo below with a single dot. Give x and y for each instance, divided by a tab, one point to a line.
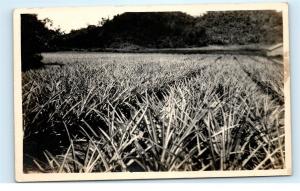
143	92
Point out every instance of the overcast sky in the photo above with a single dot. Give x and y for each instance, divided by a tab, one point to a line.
76	18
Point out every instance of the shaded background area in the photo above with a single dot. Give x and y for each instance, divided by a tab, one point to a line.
141	31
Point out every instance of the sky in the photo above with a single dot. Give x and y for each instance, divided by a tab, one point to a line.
76	18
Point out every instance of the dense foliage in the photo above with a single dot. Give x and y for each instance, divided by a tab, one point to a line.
242	27
35	38
111	112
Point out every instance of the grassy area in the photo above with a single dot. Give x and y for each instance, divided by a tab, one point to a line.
103	112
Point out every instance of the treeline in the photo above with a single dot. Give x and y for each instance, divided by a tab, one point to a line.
178	30
139	30
165	30
148	29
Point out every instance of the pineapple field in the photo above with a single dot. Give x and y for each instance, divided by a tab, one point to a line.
118	112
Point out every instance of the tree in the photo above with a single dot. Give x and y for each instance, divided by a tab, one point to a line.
35	38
